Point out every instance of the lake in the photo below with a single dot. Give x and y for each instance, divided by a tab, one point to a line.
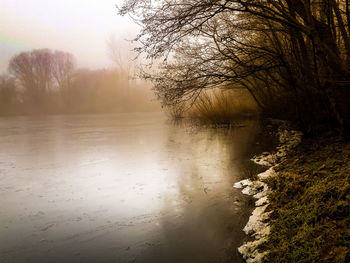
130	187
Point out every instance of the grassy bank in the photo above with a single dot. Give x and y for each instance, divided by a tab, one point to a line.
311	204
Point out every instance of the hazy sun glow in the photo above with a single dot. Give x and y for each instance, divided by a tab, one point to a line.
81	27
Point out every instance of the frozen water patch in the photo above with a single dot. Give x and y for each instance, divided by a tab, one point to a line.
267	174
258	224
262	201
250	252
287	141
242	183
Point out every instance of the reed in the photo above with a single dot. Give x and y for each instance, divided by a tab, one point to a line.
223	107
176	111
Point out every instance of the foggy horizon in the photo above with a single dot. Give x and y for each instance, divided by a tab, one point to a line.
82	28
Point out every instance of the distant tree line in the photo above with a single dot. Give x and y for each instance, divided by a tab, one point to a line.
44	81
293	56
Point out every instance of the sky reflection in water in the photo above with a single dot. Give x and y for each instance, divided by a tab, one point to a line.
121	188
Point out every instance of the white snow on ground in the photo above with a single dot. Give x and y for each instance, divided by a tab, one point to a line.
249	248
288	140
243	183
258	225
267	174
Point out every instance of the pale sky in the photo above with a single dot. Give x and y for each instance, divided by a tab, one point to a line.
81	27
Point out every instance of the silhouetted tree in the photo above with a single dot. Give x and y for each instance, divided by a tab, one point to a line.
40	73
45	81
292	56
34	72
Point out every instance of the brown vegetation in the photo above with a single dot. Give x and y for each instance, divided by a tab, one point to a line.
43	81
311	204
293	57
223	107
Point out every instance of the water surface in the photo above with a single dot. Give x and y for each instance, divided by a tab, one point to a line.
121	188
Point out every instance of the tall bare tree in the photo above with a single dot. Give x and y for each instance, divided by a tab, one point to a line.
40	71
34	72
63	72
291	54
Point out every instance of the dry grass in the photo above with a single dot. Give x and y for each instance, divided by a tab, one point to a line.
311	204
176	111
223	107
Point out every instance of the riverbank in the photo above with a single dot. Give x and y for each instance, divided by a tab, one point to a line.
258	226
310	200
303	209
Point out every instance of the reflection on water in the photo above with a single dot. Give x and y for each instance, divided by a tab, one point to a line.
120	188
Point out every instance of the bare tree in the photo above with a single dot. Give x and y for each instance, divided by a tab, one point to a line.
34	72
295	52
39	72
63	72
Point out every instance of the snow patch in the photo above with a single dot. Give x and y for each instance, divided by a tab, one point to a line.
242	183
287	141
250	251
267	174
258	225
262	201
